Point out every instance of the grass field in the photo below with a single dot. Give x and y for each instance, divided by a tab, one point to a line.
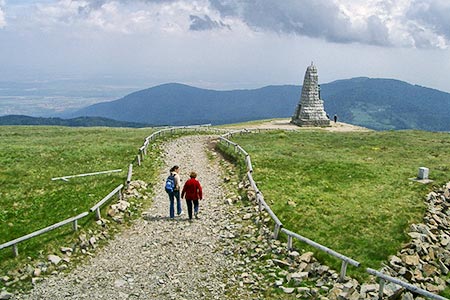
30	200
351	190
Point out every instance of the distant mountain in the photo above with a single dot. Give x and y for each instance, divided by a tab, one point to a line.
178	104
75	122
380	104
384	104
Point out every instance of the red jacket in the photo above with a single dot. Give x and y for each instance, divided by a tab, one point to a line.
192	189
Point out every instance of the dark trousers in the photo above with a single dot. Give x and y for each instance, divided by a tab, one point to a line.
189	207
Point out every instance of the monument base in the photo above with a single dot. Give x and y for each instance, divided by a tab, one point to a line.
311	123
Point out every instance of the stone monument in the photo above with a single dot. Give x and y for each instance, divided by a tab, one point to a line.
310	111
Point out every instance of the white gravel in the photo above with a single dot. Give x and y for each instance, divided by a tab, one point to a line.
161	259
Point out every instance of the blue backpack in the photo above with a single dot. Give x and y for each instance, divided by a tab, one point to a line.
170	184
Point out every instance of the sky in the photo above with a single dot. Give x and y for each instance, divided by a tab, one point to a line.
224	44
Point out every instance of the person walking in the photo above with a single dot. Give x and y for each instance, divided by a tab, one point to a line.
192	192
175	194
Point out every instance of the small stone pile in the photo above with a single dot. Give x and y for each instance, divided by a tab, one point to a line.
86	243
426	258
423	261
127	204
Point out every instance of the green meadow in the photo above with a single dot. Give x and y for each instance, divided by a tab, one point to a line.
31	155
349	191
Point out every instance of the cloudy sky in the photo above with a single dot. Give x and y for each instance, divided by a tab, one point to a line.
225	44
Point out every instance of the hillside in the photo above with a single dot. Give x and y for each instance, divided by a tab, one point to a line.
75	122
177	104
380	104
384	104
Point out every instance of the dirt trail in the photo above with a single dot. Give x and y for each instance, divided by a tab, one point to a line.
159	258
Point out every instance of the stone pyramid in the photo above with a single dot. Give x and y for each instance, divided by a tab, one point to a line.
310	110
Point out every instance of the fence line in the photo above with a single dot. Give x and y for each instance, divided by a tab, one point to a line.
345	260
259	197
384	277
96	207
86	174
14	243
278	227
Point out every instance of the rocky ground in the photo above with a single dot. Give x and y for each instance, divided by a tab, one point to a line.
158	258
228	253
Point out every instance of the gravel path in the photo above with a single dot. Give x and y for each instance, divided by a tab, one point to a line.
158	258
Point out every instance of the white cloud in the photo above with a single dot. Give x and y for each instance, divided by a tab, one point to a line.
127	17
2	14
387	23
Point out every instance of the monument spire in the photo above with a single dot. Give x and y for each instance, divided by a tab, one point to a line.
310	110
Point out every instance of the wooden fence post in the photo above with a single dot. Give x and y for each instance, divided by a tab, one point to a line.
139	160
130	173
259	201
276	231
380	291
75	225
289	243
343	270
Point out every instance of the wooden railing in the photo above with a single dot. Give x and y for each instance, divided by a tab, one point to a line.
74	220
278	227
96	208
15	242
412	288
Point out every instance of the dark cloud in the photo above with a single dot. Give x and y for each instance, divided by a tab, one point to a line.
324	19
86	9
432	14
423	24
319	19
205	23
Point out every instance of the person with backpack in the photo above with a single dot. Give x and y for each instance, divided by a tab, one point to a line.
173	184
192	192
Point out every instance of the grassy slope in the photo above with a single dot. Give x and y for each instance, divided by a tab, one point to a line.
351	190
31	156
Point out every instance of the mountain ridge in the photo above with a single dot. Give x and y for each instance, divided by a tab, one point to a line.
375	103
74	122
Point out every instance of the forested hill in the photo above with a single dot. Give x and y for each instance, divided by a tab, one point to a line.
380	104
387	104
75	122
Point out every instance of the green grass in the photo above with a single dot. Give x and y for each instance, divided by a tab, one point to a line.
352	190
30	200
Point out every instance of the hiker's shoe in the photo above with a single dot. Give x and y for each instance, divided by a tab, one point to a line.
196	215
180	213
